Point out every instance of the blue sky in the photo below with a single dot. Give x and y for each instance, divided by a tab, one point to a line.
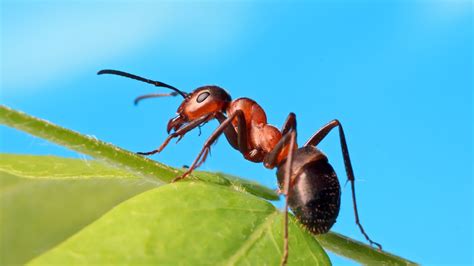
397	74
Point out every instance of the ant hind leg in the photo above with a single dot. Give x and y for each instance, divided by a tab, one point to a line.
315	140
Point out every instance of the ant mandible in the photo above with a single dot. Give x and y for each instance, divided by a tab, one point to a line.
305	177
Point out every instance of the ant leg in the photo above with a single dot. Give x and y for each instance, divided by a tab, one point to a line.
290	123
286	192
230	133
237	139
207	145
316	139
179	133
271	158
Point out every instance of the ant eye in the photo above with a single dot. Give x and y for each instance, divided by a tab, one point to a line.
202	96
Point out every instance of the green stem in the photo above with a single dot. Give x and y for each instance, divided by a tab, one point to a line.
88	145
360	252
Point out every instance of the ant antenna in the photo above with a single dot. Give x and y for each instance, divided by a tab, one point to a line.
156	83
153	95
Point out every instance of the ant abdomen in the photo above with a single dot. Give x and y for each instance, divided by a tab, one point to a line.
314	198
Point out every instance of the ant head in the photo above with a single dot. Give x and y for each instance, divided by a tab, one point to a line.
203	102
199	106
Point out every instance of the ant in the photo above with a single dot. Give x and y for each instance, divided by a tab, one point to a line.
304	174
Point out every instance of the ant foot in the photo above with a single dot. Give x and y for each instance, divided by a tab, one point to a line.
180	177
379	247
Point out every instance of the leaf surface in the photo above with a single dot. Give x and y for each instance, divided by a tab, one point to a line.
188	223
46	199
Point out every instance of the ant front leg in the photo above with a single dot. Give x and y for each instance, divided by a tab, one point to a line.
179	133
241	141
316	139
236	138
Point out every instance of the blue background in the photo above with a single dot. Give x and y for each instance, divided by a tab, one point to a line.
397	74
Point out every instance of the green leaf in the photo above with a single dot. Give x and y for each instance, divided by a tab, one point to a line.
46	199
188	223
52	198
44	196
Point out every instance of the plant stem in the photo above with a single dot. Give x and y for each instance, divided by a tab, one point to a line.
360	252
88	145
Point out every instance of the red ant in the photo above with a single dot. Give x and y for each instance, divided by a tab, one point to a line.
304	174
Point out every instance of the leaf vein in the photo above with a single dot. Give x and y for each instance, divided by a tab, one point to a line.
257	234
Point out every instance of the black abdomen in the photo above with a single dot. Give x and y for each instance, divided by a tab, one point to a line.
315	197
